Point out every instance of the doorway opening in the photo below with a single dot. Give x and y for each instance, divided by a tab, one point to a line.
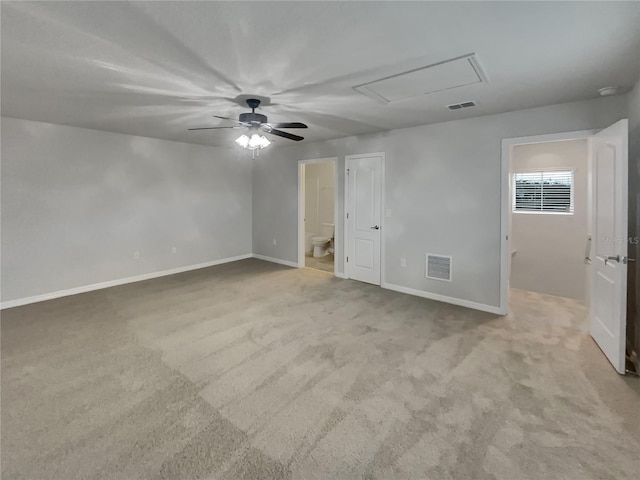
546	215
317	213
549	231
549	218
547	206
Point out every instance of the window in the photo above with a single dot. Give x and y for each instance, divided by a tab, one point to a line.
543	192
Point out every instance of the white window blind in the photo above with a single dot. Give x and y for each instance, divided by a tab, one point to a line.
543	192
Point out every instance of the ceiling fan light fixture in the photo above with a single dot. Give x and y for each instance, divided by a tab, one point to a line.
243	141
255	142
258	141
255	122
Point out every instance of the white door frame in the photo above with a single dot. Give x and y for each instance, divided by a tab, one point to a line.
382	212
337	246
505	198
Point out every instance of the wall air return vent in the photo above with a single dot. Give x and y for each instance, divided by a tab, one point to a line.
458	106
438	267
437	77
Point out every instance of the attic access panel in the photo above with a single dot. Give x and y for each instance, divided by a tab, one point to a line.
454	73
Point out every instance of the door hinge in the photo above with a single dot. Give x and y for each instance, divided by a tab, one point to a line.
347	259
348	171
347	214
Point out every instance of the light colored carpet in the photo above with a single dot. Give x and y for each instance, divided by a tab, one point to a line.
251	370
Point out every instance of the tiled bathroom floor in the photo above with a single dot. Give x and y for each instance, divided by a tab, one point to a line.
322	263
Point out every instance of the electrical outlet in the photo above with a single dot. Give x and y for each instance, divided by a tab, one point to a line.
136	255
403	262
275	242
174	250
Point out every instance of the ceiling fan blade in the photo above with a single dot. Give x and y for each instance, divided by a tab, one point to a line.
287	125
231	120
214	128
280	133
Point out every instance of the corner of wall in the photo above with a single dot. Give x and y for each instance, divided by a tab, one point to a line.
633	107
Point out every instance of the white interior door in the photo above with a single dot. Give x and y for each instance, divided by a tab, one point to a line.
609	268
364	214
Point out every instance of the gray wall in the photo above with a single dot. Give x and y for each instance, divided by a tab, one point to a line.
549	248
442	187
77	203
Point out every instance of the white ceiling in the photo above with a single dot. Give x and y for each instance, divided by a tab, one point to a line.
157	68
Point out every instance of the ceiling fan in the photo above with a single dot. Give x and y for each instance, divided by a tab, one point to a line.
255	122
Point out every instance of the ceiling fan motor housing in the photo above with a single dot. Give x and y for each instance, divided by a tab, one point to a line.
253	118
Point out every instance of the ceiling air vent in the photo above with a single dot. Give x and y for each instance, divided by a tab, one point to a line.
438	267
458	106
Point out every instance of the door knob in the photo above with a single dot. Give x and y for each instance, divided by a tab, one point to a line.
375	227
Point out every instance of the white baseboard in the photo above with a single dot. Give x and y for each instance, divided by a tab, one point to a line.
113	283
276	260
443	298
147	276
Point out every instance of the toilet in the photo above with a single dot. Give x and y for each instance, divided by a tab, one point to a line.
322	242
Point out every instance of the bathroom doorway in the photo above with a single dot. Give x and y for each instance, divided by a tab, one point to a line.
317	205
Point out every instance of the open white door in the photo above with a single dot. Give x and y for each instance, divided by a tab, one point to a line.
364	207
609	270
